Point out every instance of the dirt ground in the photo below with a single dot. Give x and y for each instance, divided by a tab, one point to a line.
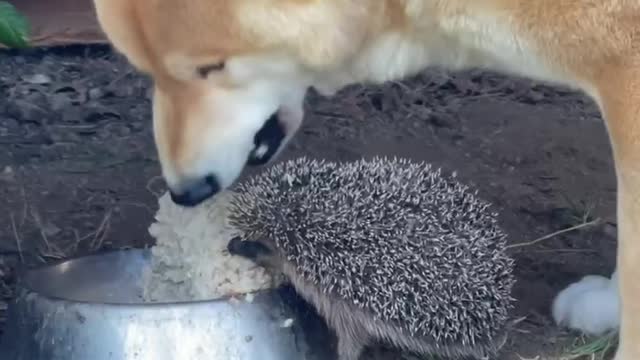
79	173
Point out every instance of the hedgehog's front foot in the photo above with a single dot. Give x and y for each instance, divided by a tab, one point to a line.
236	247
249	249
255	251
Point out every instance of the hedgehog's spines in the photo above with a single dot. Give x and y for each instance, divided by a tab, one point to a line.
392	236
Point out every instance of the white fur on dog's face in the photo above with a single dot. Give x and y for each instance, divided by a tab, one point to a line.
224	113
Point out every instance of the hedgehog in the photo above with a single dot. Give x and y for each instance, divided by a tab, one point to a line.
387	250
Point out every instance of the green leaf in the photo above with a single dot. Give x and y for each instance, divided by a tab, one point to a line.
14	27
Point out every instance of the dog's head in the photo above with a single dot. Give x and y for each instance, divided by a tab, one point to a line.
230	76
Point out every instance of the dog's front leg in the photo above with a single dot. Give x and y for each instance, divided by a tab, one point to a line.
620	102
629	263
595	304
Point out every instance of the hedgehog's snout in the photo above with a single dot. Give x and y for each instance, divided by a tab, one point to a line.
267	141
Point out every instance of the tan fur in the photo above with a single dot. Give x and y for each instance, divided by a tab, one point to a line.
593	45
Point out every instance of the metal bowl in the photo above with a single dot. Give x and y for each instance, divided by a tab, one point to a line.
90	308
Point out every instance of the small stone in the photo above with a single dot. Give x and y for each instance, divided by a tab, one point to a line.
37	79
287	323
96	93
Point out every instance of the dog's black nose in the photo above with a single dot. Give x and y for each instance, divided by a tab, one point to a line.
195	192
267	141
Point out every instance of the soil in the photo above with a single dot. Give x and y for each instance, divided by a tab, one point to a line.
79	172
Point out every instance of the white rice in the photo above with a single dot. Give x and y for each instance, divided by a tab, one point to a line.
190	261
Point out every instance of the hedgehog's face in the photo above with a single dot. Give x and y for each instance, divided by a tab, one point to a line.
229	76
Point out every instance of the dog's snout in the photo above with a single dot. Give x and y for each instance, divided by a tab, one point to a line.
195	192
267	141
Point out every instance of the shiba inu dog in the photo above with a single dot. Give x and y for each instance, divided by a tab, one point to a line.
230	77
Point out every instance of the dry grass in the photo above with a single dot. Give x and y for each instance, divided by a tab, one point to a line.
554	234
47	249
590	348
17	237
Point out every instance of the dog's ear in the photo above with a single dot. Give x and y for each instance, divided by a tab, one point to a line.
321	33
120	22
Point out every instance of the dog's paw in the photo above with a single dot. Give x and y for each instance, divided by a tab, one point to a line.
590	305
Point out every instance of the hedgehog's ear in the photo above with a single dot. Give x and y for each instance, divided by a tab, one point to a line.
320	33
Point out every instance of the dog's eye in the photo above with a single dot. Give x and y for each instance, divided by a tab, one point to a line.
204	71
